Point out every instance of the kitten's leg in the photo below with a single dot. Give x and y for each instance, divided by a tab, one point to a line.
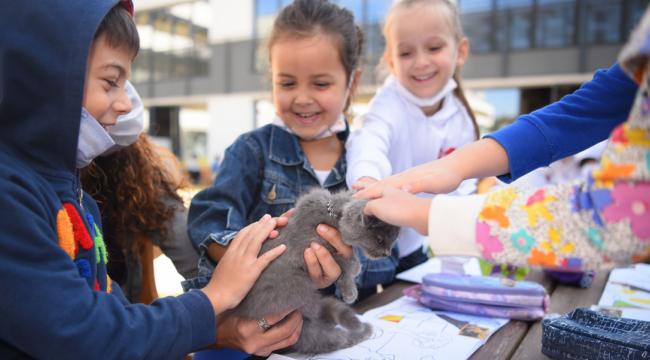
349	271
319	336
338	313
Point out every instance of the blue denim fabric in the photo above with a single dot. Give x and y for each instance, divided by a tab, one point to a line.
264	161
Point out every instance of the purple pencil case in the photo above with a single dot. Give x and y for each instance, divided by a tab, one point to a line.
482	295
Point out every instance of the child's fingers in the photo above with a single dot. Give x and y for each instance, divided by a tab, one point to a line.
333	236
256	239
275	318
313	266
263	261
289	331
329	266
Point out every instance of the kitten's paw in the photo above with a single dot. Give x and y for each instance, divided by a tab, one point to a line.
358	337
350	295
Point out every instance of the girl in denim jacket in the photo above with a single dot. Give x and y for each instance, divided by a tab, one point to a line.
314	50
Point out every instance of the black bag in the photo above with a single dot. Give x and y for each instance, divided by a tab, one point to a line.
586	334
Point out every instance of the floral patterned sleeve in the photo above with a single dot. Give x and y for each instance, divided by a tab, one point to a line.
598	224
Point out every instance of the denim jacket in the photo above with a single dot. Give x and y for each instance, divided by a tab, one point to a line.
263	172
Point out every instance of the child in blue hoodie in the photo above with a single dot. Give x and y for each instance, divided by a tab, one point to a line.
57	300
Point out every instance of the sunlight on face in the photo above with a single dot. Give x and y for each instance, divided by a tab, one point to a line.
309	83
422	49
104	95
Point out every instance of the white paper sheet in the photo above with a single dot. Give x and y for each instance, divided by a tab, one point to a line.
406	330
628	288
470	266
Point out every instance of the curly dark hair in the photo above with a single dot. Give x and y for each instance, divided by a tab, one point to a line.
128	186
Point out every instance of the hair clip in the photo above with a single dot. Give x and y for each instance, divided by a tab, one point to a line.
330	209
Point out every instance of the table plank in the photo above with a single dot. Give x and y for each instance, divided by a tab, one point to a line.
563	299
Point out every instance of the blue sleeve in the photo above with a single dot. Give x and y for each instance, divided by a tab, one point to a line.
220	211
575	123
48	310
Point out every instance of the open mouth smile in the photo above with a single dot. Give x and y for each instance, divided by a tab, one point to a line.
307	118
425	77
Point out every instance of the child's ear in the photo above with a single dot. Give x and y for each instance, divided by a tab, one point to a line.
356	80
389	62
463	52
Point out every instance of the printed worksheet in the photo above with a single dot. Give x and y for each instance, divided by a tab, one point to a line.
628	288
404	329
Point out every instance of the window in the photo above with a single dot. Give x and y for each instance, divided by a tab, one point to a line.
173	42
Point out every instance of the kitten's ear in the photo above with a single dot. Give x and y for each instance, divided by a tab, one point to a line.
368	220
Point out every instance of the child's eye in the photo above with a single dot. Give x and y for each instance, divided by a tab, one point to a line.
435	48
322	85
111	83
287	84
404	54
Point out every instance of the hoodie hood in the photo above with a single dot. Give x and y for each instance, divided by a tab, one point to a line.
43	59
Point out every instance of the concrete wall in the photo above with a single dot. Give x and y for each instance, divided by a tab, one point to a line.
231	116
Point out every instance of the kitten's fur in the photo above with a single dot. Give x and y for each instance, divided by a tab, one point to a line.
285	283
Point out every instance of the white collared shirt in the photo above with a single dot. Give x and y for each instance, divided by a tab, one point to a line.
396	135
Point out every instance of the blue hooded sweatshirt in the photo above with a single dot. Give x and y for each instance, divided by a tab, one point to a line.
56	301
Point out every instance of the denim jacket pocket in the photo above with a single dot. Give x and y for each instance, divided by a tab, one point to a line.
275	192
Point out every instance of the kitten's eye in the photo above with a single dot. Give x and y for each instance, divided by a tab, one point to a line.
380	241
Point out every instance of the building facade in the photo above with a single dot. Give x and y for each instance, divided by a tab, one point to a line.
203	75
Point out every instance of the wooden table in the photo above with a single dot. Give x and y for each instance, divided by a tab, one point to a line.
516	339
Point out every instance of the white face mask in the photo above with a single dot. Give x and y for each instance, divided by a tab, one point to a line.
128	127
93	140
426	102
324	131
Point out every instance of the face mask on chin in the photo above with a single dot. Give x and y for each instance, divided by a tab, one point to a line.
420	102
324	131
93	140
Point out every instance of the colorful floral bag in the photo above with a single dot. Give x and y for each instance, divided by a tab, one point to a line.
586	334
482	295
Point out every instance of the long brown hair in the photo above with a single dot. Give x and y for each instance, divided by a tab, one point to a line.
308	18
454	22
128	186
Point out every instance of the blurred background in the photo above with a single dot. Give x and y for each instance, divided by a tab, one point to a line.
202	72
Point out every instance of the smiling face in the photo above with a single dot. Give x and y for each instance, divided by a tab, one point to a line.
104	95
309	83
422	48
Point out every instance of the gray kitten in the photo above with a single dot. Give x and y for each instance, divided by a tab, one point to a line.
285	283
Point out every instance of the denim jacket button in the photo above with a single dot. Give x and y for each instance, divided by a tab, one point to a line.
272	195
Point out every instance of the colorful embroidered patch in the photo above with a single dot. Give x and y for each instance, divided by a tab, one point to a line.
522	241
536	206
100	246
487	244
542	259
631	203
595	237
496	213
81	235
84	268
65	232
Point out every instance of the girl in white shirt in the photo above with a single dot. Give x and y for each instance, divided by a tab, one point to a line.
420	113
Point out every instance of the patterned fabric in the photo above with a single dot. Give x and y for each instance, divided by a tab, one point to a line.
599	224
586	334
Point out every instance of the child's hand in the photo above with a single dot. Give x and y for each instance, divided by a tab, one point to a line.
240	267
363	183
434	177
247	336
399	208
322	267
